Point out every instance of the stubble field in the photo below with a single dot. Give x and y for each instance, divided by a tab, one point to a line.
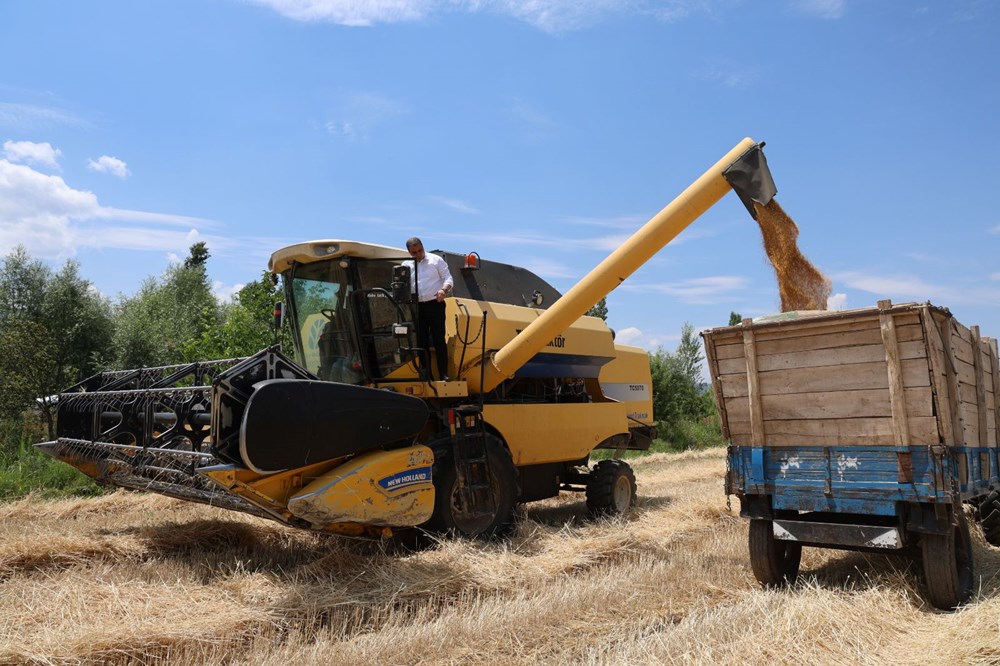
135	578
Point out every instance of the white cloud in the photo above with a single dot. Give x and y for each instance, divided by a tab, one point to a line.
639	338
225	294
552	16
52	219
836	302
728	74
351	12
824	9
28	152
896	286
33	117
706	290
108	164
357	114
456	205
173	258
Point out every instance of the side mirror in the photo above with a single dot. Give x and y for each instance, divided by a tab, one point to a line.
401	284
279	315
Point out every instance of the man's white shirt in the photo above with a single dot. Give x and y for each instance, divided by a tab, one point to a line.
434	276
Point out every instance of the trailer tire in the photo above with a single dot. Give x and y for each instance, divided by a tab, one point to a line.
775	563
988	515
611	488
504	481
947	560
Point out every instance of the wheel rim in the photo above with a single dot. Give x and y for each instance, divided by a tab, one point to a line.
621	493
466	523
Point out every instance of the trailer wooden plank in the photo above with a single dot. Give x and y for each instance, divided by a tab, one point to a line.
832	405
717	387
753	401
940	385
958	418
995	360
961	343
842	432
823	357
851	377
897	398
842	338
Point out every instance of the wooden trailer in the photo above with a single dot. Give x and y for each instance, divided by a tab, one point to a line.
863	429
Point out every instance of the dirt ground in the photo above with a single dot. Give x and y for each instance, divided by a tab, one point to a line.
136	578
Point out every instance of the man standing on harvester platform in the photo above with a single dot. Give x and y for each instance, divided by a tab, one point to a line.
431	275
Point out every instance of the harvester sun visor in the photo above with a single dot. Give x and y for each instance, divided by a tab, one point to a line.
291	423
750	177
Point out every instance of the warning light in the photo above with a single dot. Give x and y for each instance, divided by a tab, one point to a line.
471	262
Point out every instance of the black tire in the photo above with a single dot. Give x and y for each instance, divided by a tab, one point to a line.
775	563
988	515
947	560
504	480
611	488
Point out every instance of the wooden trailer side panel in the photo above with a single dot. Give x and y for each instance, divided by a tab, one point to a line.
865	378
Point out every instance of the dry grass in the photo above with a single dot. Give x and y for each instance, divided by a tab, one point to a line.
131	578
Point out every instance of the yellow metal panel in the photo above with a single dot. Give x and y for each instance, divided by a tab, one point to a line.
556	433
587	336
627	380
379	488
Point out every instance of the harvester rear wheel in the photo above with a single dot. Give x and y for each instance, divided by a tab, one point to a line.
948	566
448	515
988	515
611	488
775	563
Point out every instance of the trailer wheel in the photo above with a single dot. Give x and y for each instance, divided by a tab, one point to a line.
448	515
611	488
775	563
988	515
948	566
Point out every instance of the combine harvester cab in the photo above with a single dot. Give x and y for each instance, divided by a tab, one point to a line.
355	437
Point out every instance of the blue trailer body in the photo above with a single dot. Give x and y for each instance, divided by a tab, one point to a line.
861	480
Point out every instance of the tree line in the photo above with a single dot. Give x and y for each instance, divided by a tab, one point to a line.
56	329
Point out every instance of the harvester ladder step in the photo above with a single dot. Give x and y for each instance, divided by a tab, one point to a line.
472	462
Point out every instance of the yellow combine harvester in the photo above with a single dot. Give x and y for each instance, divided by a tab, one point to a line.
355	438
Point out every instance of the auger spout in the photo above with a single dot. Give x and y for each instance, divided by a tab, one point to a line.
743	168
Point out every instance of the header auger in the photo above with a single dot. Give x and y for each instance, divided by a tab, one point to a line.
353	437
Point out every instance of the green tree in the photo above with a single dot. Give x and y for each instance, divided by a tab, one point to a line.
689	353
678	391
164	322
55	330
735	318
22	285
600	309
247	323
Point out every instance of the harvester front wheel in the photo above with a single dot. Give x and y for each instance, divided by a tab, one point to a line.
775	562
611	488
988	514
948	566
449	515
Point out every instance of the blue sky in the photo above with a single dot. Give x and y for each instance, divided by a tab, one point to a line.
536	133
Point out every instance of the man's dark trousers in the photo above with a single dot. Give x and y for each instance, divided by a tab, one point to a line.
430	329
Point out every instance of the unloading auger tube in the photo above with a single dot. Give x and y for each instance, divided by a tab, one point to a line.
743	169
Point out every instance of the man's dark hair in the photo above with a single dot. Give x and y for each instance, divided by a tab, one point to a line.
413	242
